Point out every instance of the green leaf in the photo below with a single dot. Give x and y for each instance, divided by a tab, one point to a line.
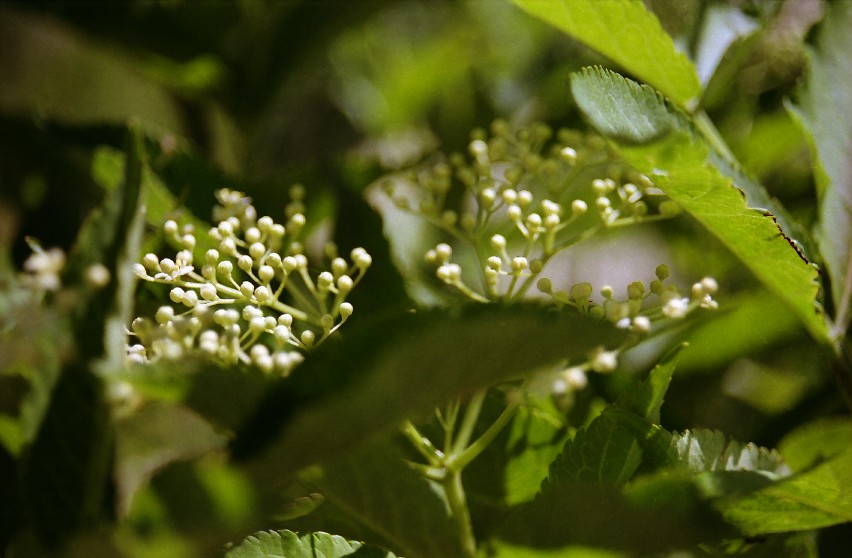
630	35
816	442
28	371
646	399
110	237
376	488
703	450
666	515
610	449
385	370
152	437
507	550
66	470
825	94
637	114
817	498
534	442
695	175
278	544
226	396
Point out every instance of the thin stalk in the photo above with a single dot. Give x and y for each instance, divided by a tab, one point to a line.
458	506
471	415
457	462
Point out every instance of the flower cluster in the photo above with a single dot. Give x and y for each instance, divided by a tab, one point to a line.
517	200
522	197
253	298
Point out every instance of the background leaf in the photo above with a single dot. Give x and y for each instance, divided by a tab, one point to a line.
825	93
695	176
627	33
376	487
817	498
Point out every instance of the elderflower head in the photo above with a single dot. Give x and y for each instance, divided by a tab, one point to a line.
255	298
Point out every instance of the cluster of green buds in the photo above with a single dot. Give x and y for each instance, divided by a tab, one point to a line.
640	311
521	197
254	298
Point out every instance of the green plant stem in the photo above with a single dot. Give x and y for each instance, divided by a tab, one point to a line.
457	501
422	444
458	461
471	415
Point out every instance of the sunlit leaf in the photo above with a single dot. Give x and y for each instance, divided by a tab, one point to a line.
281	544
626	32
710	450
687	168
819	497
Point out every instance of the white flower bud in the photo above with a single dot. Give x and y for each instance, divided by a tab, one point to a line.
308	337
266	273
264	224
228	246
345	310
578	207
285	320
188	241
212	256
498	242
510	196
676	308
710	285
226	228
282	333
325	280
225	268
190	298
344	284
257	250
495	263
525	198
139	271
176	294
170	227
449	273
519	264
641	324
245	262
569	154
262	294
289	264
208	292
252	235
363	261
514	212
164	314
247	289
151	262
443	252
257	324
604	361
